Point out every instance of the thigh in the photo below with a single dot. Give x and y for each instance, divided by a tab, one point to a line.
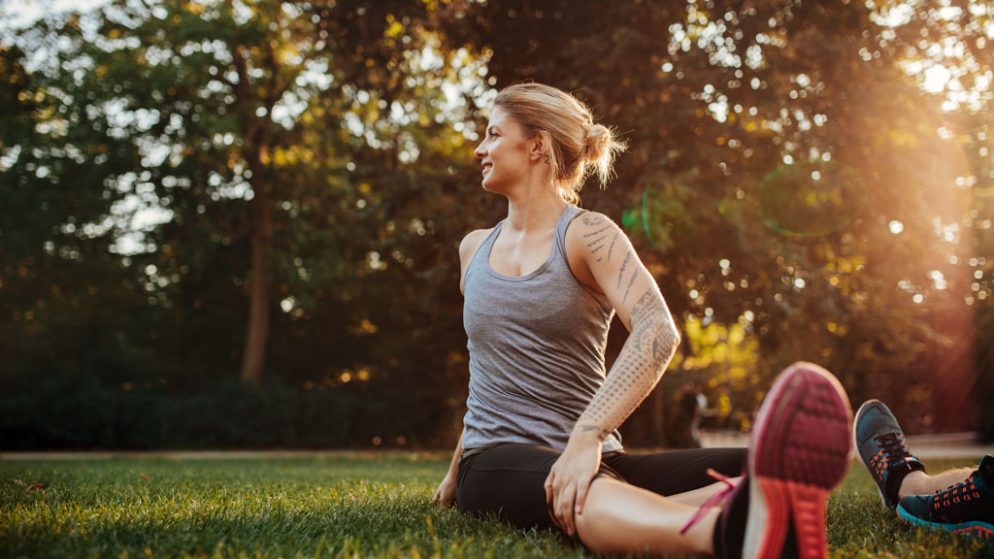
678	471
509	480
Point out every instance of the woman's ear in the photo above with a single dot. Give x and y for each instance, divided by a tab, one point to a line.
540	146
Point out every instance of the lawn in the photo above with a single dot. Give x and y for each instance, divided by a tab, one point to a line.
354	505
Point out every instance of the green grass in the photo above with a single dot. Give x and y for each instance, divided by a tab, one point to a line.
357	505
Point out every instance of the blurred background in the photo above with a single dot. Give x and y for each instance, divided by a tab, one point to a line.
234	224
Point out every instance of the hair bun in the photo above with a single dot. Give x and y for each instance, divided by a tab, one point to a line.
596	143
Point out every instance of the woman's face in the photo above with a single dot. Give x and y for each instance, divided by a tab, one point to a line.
505	152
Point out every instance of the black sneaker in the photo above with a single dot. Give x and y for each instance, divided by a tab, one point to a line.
730	532
798	451
964	508
880	442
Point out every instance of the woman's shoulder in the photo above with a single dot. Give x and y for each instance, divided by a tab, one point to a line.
472	241
467	248
592	239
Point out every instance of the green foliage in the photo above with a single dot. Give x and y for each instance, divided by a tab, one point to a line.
143	414
720	101
176	107
324	151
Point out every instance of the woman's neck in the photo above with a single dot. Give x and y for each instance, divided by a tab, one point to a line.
533	214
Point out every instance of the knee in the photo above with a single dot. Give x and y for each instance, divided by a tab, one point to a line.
587	531
591	523
585	522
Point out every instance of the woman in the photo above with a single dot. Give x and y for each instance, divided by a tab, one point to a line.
540	445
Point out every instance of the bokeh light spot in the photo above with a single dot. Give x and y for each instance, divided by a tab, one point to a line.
793	201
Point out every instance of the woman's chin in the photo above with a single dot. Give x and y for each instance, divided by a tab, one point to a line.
490	185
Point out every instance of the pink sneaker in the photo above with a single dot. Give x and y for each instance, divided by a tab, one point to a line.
798	452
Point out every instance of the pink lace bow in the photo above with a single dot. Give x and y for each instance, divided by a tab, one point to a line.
712	501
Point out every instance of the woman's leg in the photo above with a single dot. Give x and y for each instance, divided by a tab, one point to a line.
697	497
664	492
680	474
798	452
621	518
920	483
508	481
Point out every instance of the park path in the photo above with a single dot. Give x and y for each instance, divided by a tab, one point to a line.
948	445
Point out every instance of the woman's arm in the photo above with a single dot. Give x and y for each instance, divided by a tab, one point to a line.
643	359
608	254
446	492
653	336
454	466
445	495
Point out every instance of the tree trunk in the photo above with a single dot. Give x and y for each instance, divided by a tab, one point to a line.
262	240
255	133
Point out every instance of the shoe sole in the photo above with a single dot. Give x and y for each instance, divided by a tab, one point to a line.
979	529
799	451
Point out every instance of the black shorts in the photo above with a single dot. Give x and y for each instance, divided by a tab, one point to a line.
509	479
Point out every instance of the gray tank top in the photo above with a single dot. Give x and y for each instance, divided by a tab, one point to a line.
536	349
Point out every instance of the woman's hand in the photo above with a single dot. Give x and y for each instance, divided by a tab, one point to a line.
570	478
445	495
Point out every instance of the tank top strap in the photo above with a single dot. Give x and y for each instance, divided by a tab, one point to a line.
491	238
484	249
569	214
572	212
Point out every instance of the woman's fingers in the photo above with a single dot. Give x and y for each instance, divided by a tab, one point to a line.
565	509
552	498
581	494
565	501
549	493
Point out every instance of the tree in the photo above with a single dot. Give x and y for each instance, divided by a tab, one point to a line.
304	157
734	112
249	117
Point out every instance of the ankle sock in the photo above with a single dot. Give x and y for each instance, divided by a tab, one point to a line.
986	469
729	531
896	477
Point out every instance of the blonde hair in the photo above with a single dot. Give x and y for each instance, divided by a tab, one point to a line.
577	146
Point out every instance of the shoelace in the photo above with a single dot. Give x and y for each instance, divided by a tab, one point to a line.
713	500
947	496
893	444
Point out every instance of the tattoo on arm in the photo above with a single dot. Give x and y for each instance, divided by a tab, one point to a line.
643	358
613	240
629	288
591	218
598	233
595	239
624	265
